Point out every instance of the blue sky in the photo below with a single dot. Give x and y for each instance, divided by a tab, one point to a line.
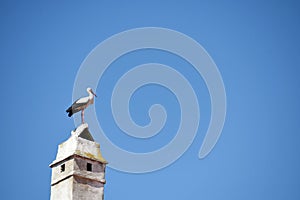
255	45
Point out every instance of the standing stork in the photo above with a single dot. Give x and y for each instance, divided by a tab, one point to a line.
81	104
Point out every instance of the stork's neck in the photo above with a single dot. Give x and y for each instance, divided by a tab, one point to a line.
91	96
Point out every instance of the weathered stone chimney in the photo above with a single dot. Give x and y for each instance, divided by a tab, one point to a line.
78	172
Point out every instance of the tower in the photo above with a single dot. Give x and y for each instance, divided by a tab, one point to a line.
78	172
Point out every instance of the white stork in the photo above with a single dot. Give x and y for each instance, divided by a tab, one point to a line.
81	104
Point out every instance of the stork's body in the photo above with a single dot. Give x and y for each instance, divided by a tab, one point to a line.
81	104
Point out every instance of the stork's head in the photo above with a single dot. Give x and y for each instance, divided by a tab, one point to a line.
89	90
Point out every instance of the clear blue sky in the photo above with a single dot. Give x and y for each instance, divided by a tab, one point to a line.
255	45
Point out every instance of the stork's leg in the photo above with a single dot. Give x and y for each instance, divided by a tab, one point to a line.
82	116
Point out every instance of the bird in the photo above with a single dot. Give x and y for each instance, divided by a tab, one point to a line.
81	104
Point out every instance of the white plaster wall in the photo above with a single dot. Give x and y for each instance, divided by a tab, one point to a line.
63	190
98	169
57	175
85	189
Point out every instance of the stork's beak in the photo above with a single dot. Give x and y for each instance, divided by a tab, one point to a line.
94	94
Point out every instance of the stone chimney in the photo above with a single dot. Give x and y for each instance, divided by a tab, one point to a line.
78	172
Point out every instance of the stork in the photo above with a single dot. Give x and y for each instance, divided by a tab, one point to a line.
81	104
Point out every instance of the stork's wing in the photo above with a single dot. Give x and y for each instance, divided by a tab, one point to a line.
79	103
82	100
